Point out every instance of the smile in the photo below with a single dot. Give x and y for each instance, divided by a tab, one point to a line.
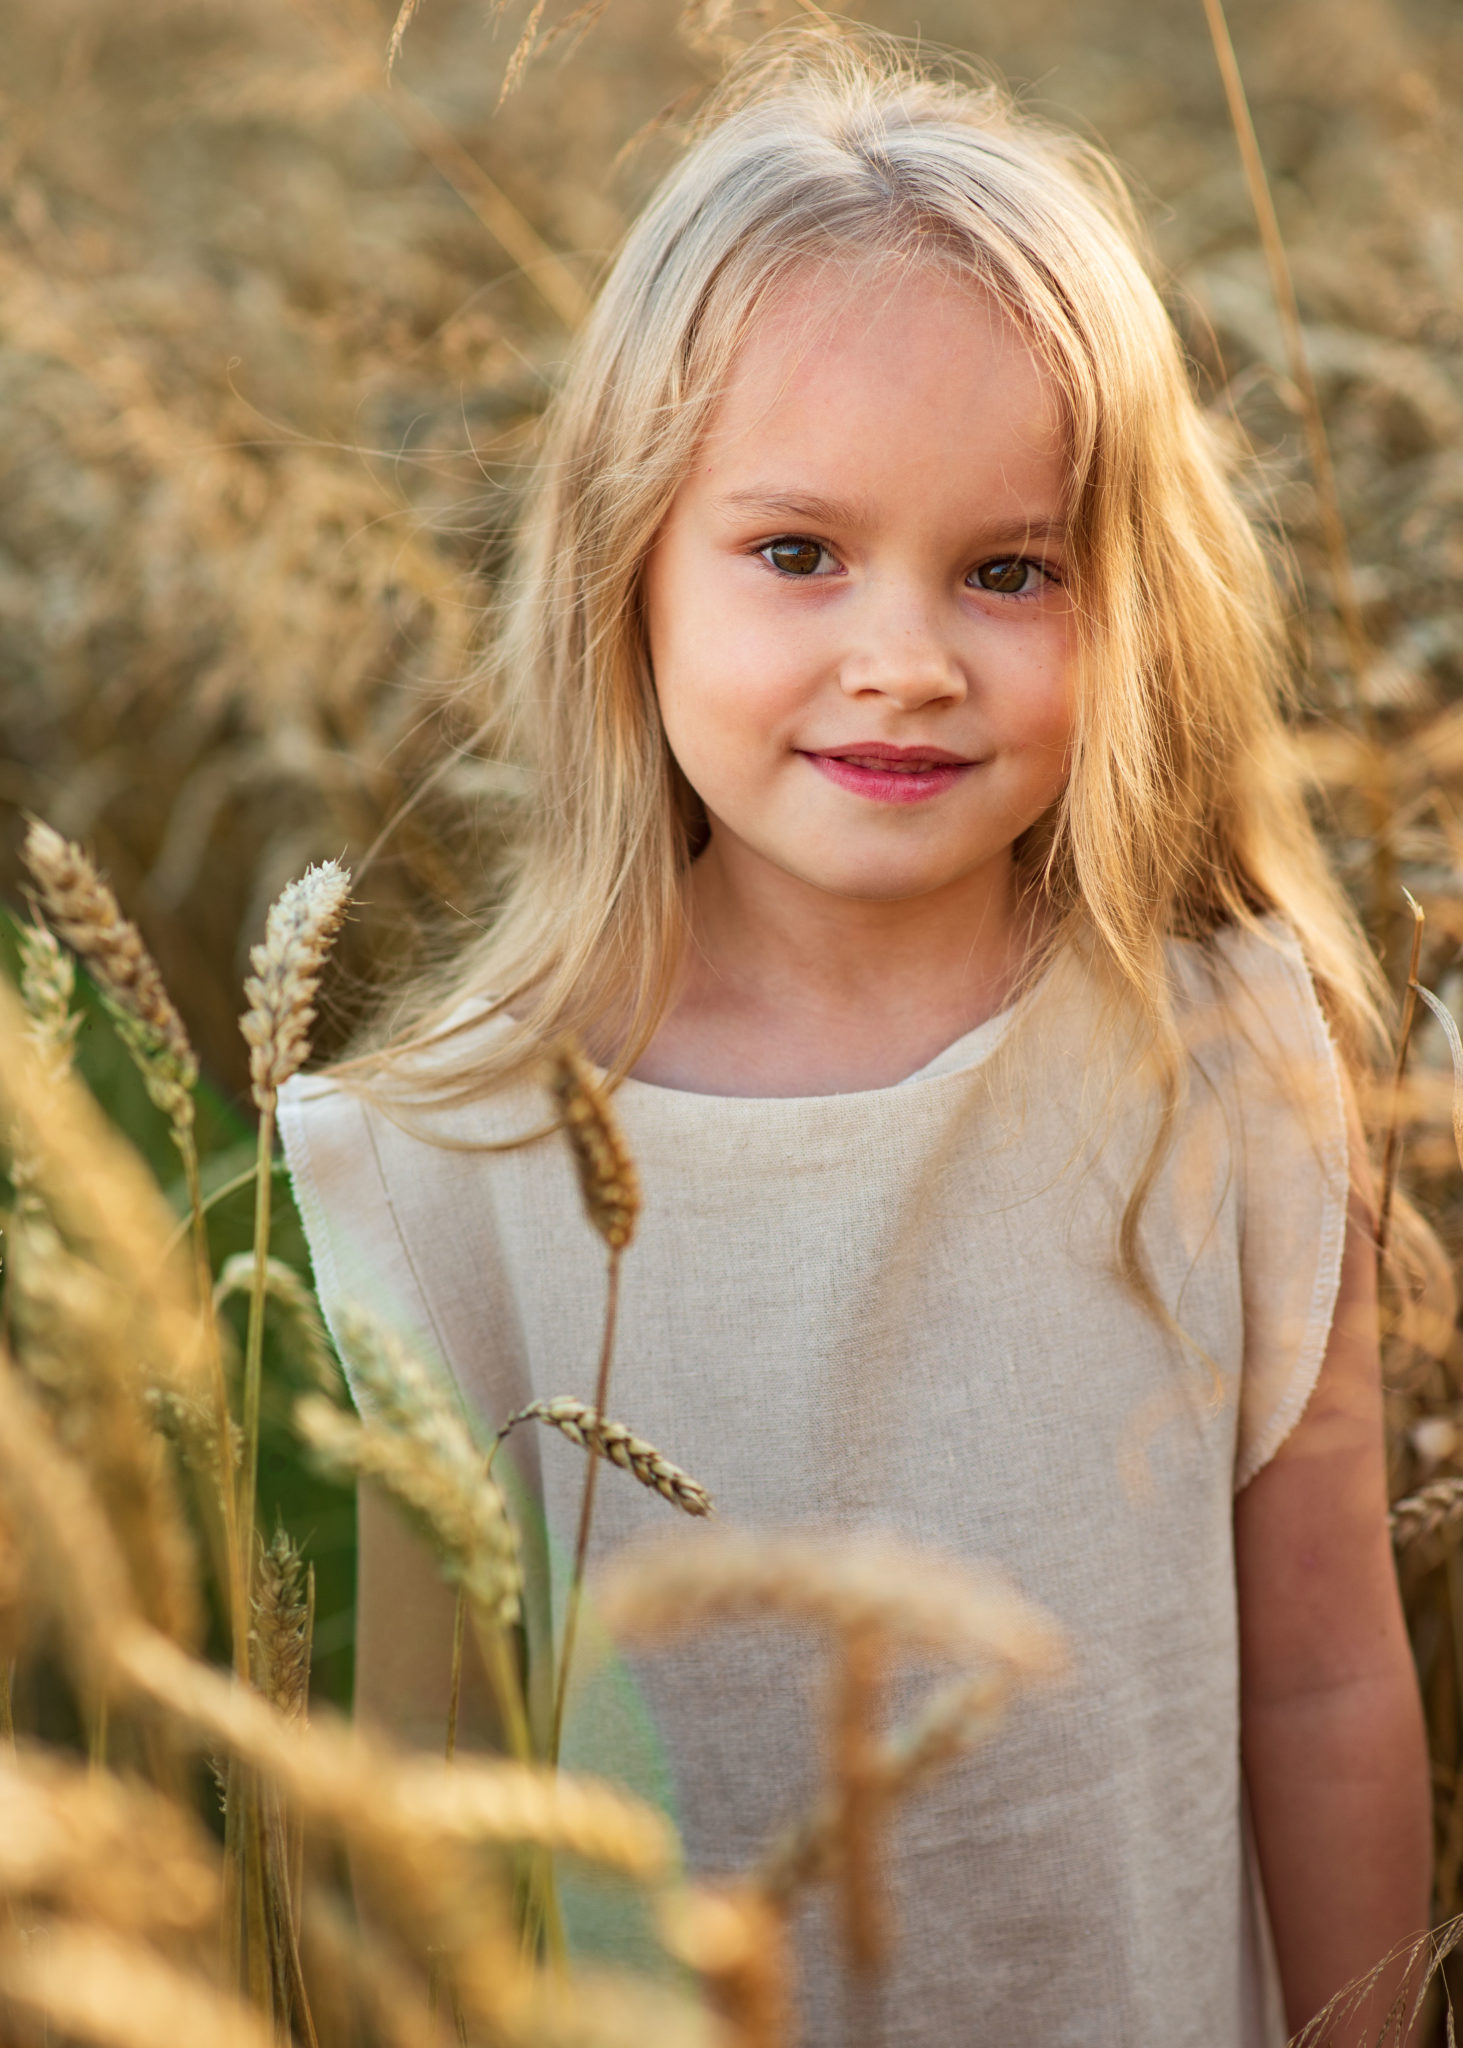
893	775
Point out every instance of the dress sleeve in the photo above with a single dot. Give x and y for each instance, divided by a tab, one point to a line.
357	1248
1295	1182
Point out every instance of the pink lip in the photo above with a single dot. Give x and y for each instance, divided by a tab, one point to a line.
914	774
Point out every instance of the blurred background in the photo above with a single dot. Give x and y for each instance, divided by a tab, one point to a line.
274	331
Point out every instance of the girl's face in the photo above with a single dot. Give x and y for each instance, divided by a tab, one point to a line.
861	642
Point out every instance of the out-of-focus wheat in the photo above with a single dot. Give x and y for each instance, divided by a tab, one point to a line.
284	1287
851	1585
82	1842
92	1986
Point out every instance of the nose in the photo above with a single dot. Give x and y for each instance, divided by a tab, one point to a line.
899	652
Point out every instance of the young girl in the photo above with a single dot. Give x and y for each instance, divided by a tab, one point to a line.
916	840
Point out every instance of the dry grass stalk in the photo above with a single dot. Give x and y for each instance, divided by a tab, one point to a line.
955	1718
608	1182
82	910
108	1208
93	1987
850	1584
82	1842
861	1797
612	1441
70	1326
284	1287
298	934
1436	1511
736	1941
1390	1152
1455	1050
610	1189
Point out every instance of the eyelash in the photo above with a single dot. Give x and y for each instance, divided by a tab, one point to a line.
1050	578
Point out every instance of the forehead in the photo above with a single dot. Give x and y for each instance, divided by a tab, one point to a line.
887	376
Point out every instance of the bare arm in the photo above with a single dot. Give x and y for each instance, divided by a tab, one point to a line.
1335	1751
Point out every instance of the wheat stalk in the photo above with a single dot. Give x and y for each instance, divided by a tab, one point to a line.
1390	1153
612	1441
298	933
95	1188
861	1797
952	1721
610	1190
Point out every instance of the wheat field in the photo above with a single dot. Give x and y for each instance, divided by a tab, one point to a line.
275	328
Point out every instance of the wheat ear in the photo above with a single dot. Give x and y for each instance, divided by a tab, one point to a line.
82	1841
82	911
608	1182
93	1987
612	1441
1434	1511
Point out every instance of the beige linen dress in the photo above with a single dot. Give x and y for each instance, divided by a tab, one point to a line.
900	1309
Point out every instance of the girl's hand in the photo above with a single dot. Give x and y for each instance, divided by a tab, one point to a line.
1334	1745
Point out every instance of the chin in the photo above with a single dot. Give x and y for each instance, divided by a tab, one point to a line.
877	881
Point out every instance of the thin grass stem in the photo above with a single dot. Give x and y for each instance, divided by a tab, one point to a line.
454	1691
1390	1149
230	1187
586	1507
237	1574
254	1353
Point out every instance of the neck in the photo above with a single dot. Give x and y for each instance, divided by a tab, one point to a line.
789	990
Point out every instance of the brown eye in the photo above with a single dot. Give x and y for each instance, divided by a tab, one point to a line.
1008	576
794	557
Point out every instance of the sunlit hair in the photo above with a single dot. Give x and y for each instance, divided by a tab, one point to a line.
1184	810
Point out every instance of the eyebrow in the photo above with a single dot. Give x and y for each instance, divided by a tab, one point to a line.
839	512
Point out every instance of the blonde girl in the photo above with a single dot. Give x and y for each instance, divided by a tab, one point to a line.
915	839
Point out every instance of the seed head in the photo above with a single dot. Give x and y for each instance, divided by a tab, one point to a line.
83	912
608	1181
284	1602
298	934
47	985
611	1440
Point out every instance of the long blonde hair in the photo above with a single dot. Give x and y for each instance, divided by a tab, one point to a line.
1184	810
